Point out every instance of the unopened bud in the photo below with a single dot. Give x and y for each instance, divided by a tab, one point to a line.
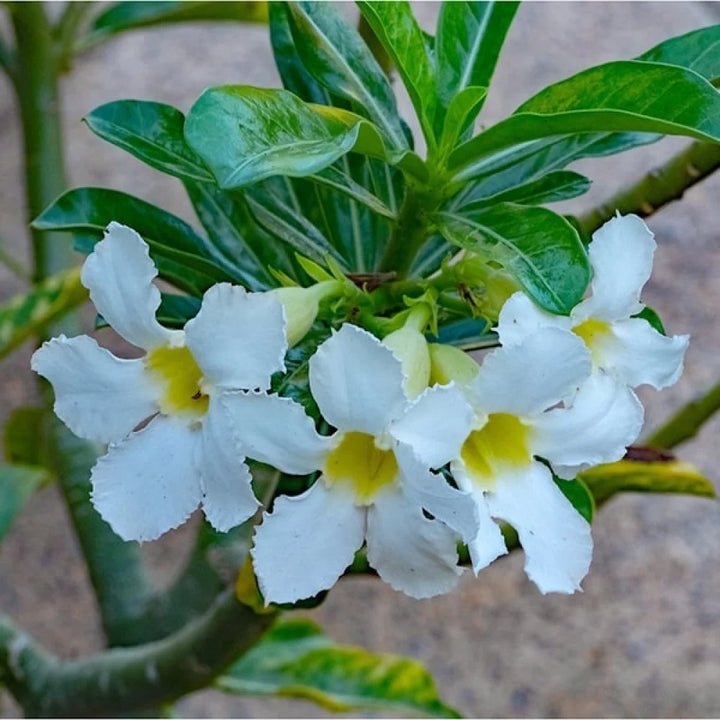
301	307
451	364
410	347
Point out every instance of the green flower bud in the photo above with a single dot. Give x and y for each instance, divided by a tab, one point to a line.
411	348
449	363
301	307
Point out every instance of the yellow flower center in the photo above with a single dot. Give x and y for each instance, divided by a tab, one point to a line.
501	442
594	333
181	376
357	461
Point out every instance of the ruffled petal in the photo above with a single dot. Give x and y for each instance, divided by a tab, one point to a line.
604	419
433	493
521	317
228	499
149	483
357	382
621	256
411	553
98	396
545	368
637	354
435	425
306	543
555	537
119	275
238	338
275	430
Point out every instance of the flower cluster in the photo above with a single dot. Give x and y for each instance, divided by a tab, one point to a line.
425	447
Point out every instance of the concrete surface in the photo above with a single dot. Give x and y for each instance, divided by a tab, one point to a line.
644	637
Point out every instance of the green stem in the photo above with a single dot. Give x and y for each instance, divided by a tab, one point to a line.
128	680
687	422
66	31
659	187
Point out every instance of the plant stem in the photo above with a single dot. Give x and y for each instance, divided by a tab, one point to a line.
126	680
659	187
66	29
687	422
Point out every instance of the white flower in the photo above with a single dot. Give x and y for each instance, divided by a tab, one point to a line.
518	395
627	348
375	478
152	479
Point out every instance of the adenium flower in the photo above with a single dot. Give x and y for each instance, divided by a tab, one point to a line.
625	347
538	399
151	479
376	479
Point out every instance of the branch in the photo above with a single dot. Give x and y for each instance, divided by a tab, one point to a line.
659	187
127	680
65	31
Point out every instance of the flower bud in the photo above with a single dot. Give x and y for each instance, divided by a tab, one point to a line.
301	307
451	364
409	346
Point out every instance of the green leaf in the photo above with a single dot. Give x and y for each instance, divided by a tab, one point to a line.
539	248
698	50
461	112
247	134
17	484
404	41
295	659
673	476
553	187
648	314
578	493
152	132
336	56
176	310
470	36
29	313
183	257
619	96
24	436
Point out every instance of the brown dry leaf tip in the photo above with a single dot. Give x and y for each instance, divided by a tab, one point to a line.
638	453
371	281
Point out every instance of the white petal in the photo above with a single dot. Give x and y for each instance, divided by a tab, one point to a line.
555	537
621	256
637	354
119	274
604	419
238	338
357	381
411	553
520	317
545	368
435	425
98	396
433	493
306	543
148	483
275	430
228	499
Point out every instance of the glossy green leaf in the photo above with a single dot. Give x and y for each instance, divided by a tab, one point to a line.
553	187
295	659
246	134
176	310
152	132
336	56
26	314
623	96
698	50
183	257
539	248
461	112
400	35
17	484
673	476
648	314
470	36
578	493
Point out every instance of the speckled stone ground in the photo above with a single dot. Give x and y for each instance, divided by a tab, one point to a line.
644	637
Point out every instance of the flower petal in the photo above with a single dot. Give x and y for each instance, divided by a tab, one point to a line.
555	537
545	368
521	317
306	543
411	553
228	499
238	338
433	493
98	396
621	256
119	274
357	381
604	419
637	354
148	483
275	430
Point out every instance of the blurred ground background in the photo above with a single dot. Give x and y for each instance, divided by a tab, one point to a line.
644	637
